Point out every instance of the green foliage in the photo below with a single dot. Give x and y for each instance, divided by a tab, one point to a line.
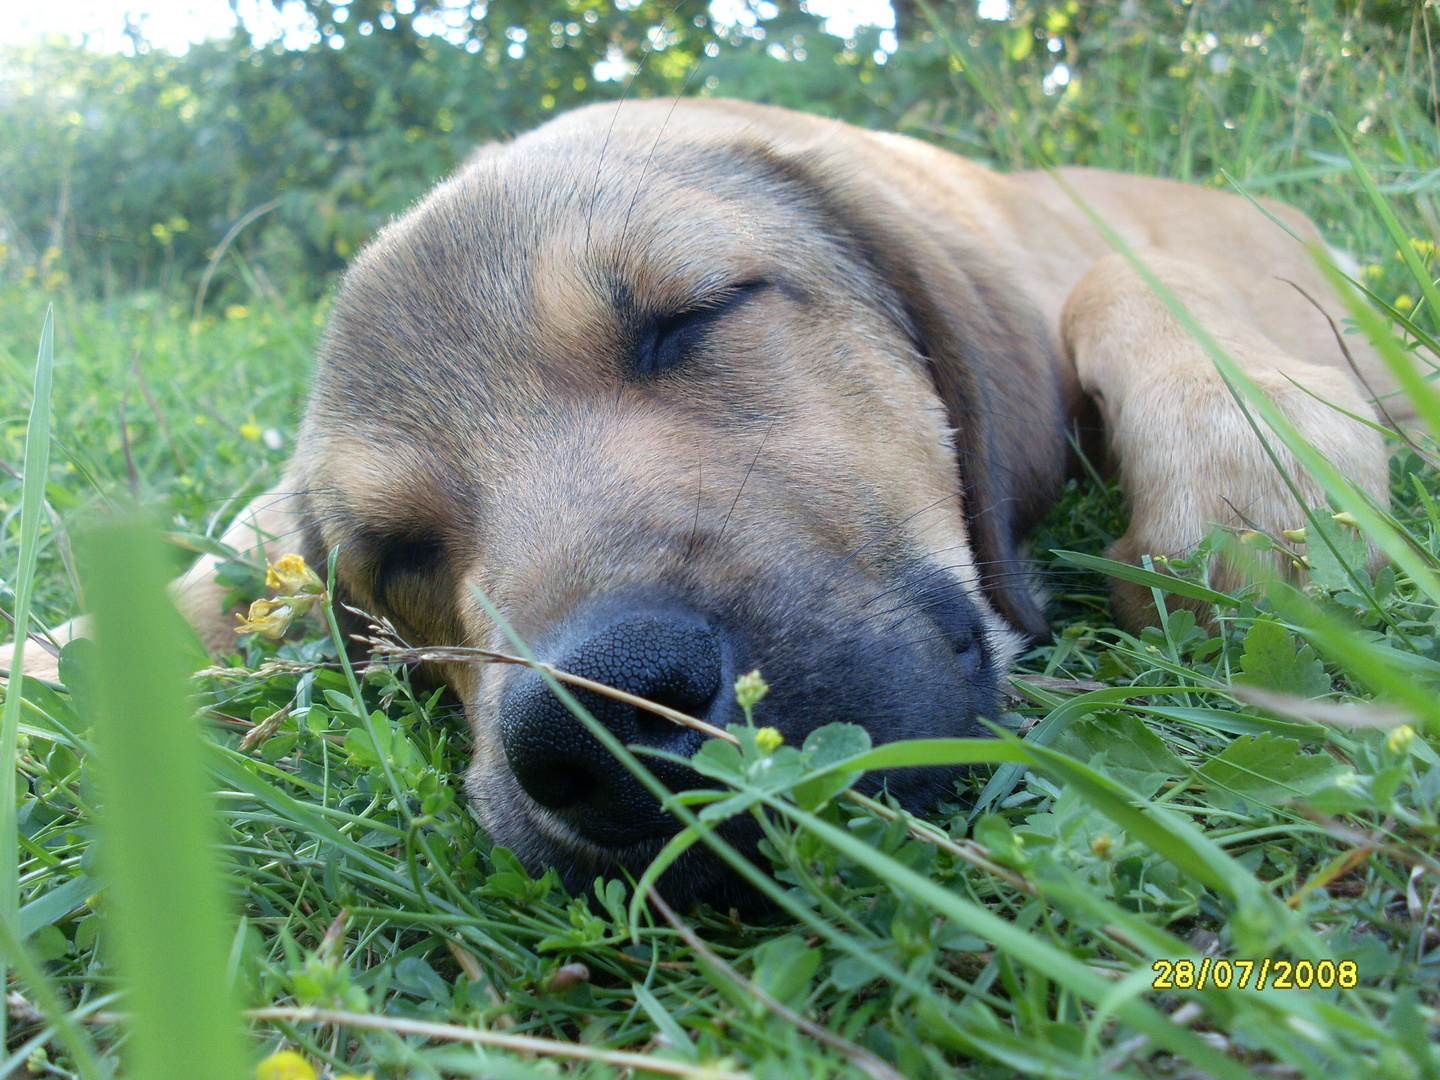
1275	660
166	912
119	172
1164	815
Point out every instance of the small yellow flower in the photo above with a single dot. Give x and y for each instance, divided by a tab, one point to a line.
251	431
1346	518
268	618
1102	845
1257	540
1295	536
768	740
1399	740
285	1065
749	689
290	576
300	589
1404	303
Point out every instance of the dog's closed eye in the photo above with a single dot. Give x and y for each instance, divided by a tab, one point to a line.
667	340
403	563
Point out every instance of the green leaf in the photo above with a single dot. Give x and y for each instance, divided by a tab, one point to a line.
1332	564
914	752
719	760
1275	660
415	976
1047	730
664	1022
784	967
1149	578
834	743
59	903
1267	769
1133	755
1177	840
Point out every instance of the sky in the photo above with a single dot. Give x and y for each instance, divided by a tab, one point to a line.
175	24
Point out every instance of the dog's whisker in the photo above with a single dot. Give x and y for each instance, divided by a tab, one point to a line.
746	479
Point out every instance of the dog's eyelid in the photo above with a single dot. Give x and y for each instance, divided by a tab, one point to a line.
404	553
665	340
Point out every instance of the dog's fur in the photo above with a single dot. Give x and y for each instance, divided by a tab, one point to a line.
809	381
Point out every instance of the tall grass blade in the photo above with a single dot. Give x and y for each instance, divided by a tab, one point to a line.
37	465
168	916
1392	225
1423	395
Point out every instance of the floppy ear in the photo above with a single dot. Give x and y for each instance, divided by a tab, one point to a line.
994	363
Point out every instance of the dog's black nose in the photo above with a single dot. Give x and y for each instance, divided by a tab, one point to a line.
669	655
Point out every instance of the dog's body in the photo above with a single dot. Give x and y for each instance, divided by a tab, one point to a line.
683	388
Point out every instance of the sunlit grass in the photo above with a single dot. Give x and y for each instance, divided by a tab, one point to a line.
1184	794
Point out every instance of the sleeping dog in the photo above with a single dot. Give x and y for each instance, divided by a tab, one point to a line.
692	388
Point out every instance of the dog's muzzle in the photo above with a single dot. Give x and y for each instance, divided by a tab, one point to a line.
663	652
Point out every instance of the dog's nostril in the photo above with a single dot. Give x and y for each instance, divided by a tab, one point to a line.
561	786
667	655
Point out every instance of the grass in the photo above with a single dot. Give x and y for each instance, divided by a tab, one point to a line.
1184	795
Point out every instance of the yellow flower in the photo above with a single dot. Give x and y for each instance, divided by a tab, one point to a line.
749	689
291	577
1346	518
251	431
268	618
1295	536
1399	740
285	1065
768	740
300	589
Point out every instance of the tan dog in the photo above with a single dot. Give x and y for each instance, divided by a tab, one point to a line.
691	388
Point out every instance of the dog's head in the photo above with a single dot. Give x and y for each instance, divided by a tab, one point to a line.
684	394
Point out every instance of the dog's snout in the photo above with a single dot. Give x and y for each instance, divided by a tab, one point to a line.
668	655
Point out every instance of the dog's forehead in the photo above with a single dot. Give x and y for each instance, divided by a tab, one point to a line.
550	251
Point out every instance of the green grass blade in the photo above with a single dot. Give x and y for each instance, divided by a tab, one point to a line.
1392	225
1057	720
910	752
1149	578
37	465
1375	665
1422	392
168	915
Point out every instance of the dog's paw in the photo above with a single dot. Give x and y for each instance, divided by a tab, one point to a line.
1189	458
1191	461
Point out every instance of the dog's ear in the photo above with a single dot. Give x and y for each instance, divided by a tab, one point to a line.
993	361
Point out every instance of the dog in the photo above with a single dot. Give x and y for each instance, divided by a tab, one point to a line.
695	387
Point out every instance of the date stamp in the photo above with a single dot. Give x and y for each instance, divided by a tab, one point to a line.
1264	974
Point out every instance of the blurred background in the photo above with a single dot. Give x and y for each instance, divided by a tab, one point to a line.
134	136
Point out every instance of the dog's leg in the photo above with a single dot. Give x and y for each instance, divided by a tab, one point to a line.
265	529
1188	458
